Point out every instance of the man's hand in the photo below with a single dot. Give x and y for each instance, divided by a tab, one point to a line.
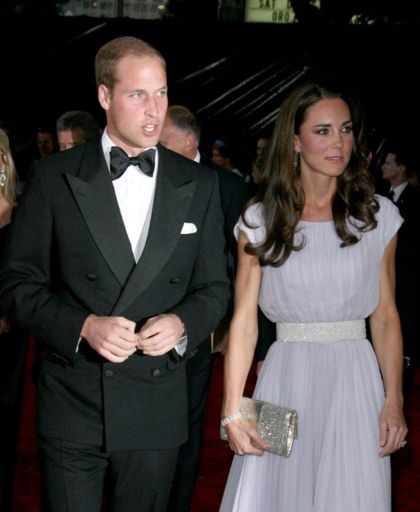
111	336
160	334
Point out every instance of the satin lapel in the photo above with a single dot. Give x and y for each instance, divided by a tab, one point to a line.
171	203
94	193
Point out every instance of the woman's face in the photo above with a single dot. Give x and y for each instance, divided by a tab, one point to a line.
325	139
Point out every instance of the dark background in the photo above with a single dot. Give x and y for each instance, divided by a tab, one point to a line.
233	75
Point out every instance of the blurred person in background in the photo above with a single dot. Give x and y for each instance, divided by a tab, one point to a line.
12	339
45	141
262	145
76	127
397	171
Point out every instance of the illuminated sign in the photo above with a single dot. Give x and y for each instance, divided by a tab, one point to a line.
271	11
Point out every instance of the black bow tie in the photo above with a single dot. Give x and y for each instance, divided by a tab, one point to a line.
120	161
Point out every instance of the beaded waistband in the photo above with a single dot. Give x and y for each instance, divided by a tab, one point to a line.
322	331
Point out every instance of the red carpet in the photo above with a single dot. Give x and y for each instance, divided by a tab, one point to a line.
216	455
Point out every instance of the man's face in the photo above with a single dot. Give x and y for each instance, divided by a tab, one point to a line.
390	169
177	140
136	107
262	145
67	139
45	143
218	158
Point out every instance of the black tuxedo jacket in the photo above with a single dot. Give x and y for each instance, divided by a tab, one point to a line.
407	289
234	193
407	257
69	256
408	203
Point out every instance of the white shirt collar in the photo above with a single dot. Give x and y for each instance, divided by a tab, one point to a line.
197	157
398	190
107	145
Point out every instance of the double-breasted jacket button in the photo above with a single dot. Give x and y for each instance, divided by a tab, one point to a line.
90	276
174	280
155	372
109	373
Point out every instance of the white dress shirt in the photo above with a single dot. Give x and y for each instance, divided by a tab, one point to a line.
135	193
398	191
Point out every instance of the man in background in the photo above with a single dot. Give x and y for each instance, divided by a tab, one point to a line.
181	133
76	127
262	146
396	170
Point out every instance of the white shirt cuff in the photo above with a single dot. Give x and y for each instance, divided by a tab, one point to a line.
78	344
181	346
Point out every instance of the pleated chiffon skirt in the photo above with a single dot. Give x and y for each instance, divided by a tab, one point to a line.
337	391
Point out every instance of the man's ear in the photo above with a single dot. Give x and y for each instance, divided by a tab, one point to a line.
104	96
188	141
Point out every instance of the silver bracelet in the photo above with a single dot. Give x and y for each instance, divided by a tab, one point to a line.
229	419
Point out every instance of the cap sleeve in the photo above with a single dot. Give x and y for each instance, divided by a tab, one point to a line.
255	230
389	220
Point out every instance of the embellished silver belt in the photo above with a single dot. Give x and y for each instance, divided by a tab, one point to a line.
321	331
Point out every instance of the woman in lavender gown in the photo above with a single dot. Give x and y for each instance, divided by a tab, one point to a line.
317	255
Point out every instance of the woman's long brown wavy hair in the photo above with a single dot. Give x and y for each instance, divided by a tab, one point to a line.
281	192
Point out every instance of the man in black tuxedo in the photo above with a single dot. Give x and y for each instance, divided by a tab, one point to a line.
395	170
115	264
181	133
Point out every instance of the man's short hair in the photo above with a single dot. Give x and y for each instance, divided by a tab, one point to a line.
401	153
184	119
78	119
111	53
223	147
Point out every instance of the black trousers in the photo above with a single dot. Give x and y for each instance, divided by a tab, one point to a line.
198	381
74	475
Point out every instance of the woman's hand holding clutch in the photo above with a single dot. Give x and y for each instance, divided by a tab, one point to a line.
244	439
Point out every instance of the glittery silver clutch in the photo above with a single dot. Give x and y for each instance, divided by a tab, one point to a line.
277	425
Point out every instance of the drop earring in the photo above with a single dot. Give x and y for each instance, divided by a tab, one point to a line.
296	158
3	178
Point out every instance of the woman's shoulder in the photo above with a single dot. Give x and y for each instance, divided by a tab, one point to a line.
387	209
389	219
253	226
254	214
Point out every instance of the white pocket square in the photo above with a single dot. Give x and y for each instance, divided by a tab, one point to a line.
188	228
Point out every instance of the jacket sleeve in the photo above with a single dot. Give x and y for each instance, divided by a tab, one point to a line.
206	300
26	293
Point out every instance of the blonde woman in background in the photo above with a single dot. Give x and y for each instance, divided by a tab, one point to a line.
8	180
12	340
